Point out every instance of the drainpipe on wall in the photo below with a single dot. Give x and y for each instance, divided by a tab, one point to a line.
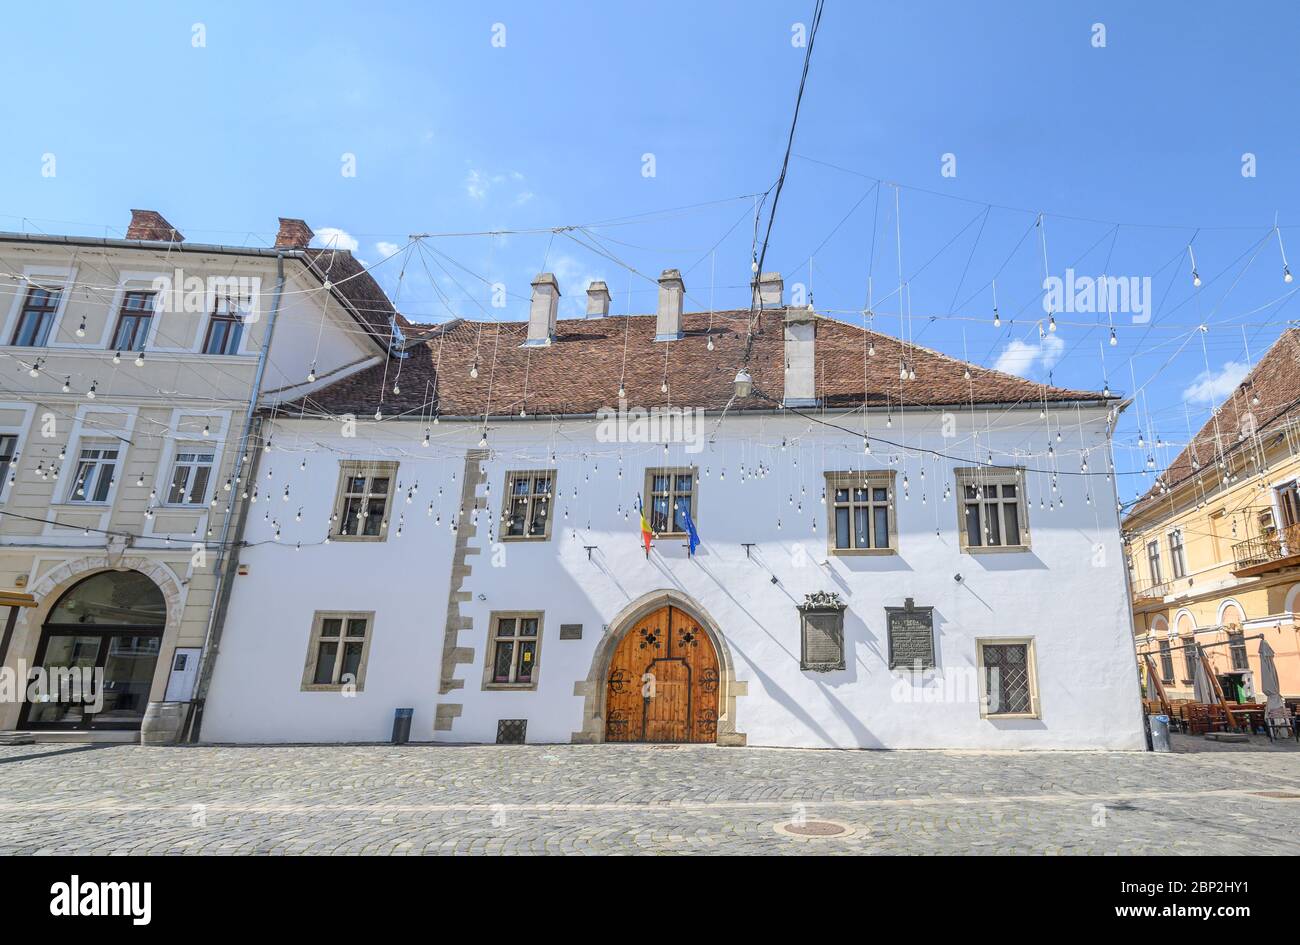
228	552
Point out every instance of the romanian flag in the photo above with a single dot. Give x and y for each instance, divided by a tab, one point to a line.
646	534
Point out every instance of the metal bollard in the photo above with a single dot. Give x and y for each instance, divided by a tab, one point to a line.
402	726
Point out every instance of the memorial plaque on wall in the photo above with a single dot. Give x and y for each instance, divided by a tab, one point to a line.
570	631
911	636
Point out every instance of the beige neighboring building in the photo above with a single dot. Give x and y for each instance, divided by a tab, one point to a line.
128	435
1214	546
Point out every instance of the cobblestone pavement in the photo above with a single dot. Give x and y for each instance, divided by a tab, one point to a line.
640	799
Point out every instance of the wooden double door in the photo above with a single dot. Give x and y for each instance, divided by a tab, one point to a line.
663	682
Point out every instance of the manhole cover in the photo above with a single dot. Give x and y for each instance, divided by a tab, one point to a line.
814	829
1278	795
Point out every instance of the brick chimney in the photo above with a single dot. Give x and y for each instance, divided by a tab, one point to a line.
668	316
294	234
150	225
769	289
541	311
598	299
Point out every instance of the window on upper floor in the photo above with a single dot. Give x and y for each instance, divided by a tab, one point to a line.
96	469
1177	556
992	507
529	500
36	318
860	511
513	649
1008	678
1153	561
8	453
191	473
671	495
337	651
365	495
133	321
225	327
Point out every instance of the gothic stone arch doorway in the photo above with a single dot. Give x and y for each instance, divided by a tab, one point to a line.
663	682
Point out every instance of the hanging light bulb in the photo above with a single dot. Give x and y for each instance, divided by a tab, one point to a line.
67	384
473	371
1051	322
622	393
425	441
379	414
396	389
117	357
710	344
482	442
1286	275
1196	278
997	319
207	430
311	373
81	329
871	349
663	388
139	359
1113	340
90	394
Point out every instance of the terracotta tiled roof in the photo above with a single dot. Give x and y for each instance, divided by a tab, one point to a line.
580	372
1274	381
351	280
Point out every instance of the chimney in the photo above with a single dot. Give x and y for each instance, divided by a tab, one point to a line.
598	299
800	358
768	290
150	225
541	311
294	234
668	317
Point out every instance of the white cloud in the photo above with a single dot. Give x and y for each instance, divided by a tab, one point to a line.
1210	387
479	183
387	249
1023	359
331	237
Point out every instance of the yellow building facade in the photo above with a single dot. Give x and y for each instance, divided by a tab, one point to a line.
1214	547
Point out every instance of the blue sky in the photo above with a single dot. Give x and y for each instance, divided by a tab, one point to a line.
453	134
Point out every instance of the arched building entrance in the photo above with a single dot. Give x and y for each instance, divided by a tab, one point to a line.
97	652
691	692
663	682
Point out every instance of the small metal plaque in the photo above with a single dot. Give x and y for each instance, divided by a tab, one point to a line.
570	631
911	636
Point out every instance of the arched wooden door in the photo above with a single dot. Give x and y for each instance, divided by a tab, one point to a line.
663	682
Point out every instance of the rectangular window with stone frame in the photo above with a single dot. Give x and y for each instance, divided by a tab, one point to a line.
96	470
991	508
1190	658
527	510
513	651
860	512
338	651
1237	649
1008	678
668	492
1166	662
365	498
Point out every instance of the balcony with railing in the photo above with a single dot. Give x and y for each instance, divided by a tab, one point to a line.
1270	552
1146	593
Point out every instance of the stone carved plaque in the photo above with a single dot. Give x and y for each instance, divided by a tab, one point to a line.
911	636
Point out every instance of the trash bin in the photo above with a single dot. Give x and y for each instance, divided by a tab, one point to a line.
1159	732
402	726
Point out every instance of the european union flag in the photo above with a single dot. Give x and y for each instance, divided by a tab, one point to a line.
684	508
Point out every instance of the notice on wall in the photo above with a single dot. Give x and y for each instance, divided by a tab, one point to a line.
911	636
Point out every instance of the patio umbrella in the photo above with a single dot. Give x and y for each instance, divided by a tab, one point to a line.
1268	680
1202	691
